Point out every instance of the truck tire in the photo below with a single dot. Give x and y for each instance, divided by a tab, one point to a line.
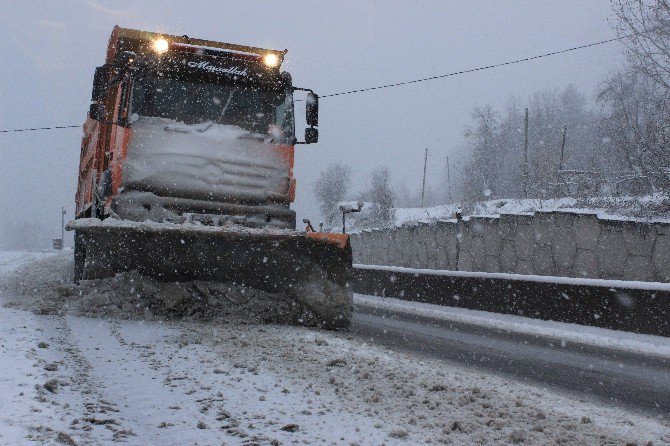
79	257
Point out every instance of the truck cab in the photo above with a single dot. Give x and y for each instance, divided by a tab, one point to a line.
188	130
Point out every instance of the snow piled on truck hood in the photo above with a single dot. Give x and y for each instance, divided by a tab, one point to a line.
153	226
206	161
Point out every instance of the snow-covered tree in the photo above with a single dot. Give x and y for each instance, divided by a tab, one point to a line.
331	188
638	122
495	143
637	100
646	23
382	197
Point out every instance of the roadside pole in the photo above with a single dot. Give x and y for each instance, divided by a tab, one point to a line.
423	187
525	155
62	224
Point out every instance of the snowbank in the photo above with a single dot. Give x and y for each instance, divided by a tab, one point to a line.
45	287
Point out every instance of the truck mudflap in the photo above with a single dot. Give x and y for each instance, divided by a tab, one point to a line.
313	270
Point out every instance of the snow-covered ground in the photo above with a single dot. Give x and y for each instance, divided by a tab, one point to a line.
137	379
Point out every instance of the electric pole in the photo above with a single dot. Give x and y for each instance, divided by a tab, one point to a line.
560	165
525	155
565	131
423	188
62	225
448	182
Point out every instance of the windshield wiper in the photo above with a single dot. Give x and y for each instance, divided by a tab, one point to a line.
222	114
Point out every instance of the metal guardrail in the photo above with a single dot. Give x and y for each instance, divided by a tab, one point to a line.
628	306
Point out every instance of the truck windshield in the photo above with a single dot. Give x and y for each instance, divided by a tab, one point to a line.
250	108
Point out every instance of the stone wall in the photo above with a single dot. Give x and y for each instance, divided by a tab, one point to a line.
544	243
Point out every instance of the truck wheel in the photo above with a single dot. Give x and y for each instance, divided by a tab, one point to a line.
79	257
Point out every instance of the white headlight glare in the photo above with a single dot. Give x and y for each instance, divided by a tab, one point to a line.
161	45
271	60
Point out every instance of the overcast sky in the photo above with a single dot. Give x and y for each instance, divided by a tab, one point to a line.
48	51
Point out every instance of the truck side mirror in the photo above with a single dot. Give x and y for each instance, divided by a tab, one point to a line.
312	109
311	135
97	112
101	80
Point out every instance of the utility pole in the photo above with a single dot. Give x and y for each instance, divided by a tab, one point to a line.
565	131
62	225
449	182
423	188
525	155
560	165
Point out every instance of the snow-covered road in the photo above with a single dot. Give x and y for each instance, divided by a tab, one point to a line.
67	379
611	367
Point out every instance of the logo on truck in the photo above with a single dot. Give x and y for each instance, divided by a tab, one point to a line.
206	66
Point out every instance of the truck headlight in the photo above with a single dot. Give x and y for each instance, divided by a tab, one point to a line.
161	45
270	60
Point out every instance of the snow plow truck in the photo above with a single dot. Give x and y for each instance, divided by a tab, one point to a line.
186	173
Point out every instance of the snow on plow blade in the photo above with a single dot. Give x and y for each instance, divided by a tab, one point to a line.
310	268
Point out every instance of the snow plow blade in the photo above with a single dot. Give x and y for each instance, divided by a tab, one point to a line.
311	268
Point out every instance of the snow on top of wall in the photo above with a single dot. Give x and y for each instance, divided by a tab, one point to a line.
559	280
605	208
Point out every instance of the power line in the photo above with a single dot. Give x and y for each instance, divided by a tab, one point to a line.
471	70
40	128
398	84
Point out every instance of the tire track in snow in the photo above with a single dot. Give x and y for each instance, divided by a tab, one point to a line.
65	405
97	418
189	371
131	365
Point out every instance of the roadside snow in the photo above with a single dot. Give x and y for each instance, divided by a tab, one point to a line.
561	331
10	261
105	381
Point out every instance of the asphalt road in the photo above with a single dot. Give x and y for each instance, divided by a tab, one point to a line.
636	381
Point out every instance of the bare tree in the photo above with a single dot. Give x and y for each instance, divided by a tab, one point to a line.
405	198
638	122
331	188
382	197
495	145
647	23
483	170
637	100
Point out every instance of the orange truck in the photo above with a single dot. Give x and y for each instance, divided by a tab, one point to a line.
186	173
